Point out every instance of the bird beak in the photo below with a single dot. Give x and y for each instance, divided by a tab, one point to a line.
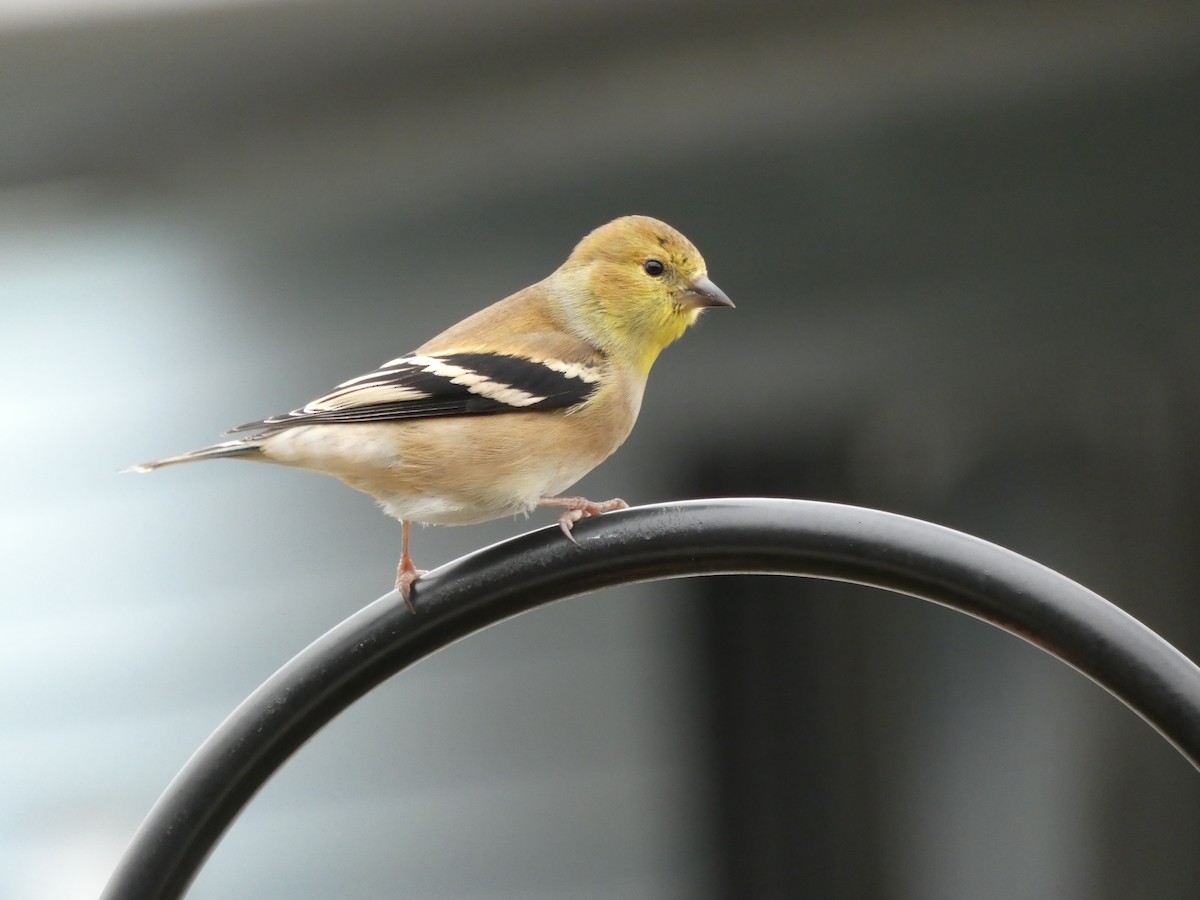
703	293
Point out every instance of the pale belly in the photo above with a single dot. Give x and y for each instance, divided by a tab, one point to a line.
481	504
454	471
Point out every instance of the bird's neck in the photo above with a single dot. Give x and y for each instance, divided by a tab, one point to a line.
634	339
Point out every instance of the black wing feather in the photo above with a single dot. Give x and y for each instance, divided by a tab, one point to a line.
458	384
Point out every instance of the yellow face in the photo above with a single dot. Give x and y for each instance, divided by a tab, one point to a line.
647	283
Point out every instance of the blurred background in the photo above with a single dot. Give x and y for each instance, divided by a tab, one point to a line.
963	240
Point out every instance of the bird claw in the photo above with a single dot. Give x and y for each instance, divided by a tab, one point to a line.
580	508
405	576
567	522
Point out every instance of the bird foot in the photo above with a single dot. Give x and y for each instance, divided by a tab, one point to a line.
580	508
406	574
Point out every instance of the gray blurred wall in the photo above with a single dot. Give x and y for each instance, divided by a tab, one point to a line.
963	244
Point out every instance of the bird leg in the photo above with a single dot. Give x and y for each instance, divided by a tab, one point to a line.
579	508
406	572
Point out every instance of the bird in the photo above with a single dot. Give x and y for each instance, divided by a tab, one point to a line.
501	413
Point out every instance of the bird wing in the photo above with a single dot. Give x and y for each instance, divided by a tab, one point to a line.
446	384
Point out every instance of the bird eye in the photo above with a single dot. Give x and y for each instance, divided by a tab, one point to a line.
653	268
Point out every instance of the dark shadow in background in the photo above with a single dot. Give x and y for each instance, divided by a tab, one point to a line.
839	724
853	742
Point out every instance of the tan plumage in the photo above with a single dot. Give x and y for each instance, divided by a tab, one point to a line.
503	411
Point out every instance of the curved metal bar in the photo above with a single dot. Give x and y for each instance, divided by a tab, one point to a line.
790	537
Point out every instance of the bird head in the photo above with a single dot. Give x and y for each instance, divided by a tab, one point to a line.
636	285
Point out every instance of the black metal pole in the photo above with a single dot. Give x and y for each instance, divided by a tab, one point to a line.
789	537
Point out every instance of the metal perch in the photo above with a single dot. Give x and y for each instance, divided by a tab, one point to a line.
733	536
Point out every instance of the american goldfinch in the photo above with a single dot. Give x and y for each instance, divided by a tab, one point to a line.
502	412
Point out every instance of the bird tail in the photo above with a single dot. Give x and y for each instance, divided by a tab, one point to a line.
240	449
